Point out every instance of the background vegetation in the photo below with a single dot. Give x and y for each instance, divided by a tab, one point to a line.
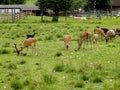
54	67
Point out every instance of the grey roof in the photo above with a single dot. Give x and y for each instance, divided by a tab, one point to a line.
22	7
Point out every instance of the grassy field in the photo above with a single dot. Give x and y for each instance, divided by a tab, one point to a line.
31	1
54	67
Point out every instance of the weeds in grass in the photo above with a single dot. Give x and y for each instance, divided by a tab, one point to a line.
97	80
16	85
12	66
79	84
49	79
58	54
22	62
4	51
85	78
59	68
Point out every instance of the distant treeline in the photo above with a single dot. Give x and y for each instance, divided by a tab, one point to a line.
6	2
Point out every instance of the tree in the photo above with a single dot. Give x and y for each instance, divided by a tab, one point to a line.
12	2
98	4
55	5
78	4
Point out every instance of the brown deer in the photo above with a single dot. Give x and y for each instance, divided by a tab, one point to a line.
85	37
67	39
26	43
95	38
99	31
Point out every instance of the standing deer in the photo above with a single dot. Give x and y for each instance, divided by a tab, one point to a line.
85	37
26	43
67	40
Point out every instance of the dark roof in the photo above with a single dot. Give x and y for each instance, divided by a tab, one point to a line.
22	7
116	3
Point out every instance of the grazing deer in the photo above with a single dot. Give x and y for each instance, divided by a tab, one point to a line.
26	43
99	31
109	35
67	40
95	38
85	37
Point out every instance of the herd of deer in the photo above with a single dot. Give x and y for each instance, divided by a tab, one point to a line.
86	37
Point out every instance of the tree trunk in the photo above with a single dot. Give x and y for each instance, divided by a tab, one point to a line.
55	16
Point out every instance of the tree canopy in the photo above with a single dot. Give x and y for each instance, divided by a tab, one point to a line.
6	2
98	4
55	5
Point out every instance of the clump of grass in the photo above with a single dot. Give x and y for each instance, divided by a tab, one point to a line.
22	62
70	69
85	78
26	82
58	54
4	51
50	37
0	64
6	44
16	85
49	79
59	68
12	66
97	80
79	84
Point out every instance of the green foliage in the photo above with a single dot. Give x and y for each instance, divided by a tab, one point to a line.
12	1
55	5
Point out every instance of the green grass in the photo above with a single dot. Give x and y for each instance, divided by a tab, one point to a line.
54	67
31	1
